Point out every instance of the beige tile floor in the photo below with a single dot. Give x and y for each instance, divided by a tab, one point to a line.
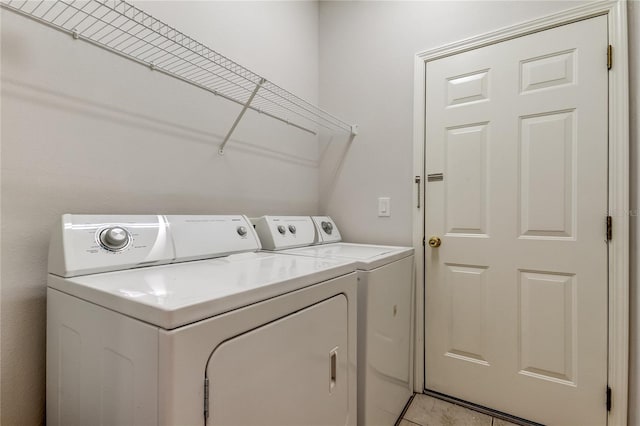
428	411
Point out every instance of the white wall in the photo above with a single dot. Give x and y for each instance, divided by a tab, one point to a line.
366	73
85	131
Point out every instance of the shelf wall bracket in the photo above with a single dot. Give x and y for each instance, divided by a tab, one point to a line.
244	109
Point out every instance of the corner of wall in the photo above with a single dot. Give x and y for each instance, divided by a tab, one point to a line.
634	281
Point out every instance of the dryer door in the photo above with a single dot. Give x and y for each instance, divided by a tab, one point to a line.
292	371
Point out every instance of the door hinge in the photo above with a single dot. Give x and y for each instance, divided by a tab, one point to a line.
206	399
609	57
608	398
609	228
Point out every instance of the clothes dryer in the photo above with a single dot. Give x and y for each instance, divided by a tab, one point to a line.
178	320
385	307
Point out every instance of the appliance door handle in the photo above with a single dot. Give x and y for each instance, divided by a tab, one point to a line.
333	369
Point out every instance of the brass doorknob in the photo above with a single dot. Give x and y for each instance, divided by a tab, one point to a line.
434	242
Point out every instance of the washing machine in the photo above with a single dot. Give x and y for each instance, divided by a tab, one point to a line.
179	320
385	307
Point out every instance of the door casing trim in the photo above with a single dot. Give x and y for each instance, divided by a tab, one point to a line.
618	346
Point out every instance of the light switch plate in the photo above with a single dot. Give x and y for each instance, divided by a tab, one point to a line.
384	207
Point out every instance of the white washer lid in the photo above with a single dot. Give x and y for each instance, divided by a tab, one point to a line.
365	256
170	296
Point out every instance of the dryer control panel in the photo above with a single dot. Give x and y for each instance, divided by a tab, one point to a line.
203	237
284	232
87	244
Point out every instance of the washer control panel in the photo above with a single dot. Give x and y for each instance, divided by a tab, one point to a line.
326	230
87	244
283	232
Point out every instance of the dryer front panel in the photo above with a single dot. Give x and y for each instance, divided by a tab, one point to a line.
291	371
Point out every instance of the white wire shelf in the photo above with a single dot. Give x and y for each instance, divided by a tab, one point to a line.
121	28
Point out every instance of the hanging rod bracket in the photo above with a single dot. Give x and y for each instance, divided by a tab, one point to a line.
244	109
354	129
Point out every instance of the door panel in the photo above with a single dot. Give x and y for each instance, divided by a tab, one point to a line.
466	184
516	296
467	285
548	146
547	326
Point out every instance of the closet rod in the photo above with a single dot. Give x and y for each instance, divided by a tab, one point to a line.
121	28
134	59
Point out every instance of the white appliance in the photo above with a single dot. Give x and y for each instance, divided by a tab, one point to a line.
146	327
385	307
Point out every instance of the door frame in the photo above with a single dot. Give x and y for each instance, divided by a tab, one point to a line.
618	203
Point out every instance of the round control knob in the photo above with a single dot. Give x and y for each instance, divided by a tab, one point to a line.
242	231
282	229
114	238
292	229
327	227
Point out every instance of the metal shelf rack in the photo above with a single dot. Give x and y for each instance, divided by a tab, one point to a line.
125	30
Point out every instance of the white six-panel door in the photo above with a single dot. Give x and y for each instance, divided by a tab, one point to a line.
516	295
